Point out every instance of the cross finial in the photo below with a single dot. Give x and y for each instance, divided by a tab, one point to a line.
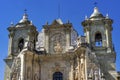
25	16
25	11
95	4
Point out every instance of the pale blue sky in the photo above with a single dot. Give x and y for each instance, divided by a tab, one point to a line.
41	11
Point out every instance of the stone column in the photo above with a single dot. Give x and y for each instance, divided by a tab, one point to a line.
85	59
88	36
82	66
108	36
22	73
67	39
11	35
78	61
107	39
72	71
47	42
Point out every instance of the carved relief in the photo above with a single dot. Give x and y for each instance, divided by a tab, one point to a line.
57	66
16	68
57	43
74	36
58	48
36	76
40	40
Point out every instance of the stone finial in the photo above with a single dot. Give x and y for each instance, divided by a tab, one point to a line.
31	22
68	21
86	17
11	24
102	77
107	16
47	23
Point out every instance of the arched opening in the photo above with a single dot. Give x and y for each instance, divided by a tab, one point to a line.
98	39
57	76
21	44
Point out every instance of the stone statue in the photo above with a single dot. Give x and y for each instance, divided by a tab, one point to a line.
14	77
30	45
76	73
36	77
96	75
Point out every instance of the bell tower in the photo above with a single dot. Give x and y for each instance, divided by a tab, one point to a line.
20	35
98	32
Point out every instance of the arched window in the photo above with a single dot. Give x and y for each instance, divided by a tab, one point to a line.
21	44
57	76
98	39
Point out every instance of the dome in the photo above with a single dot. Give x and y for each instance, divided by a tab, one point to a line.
96	13
24	19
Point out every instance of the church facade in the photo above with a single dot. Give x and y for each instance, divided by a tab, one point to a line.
59	53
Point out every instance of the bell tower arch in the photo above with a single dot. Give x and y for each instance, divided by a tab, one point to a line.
98	39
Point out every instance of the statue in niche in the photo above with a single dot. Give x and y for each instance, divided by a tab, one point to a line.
57	66
36	77
96	75
14	77
58	47
76	73
30	45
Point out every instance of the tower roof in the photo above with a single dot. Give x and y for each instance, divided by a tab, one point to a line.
96	13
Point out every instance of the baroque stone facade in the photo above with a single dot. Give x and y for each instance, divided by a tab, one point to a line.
58	53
